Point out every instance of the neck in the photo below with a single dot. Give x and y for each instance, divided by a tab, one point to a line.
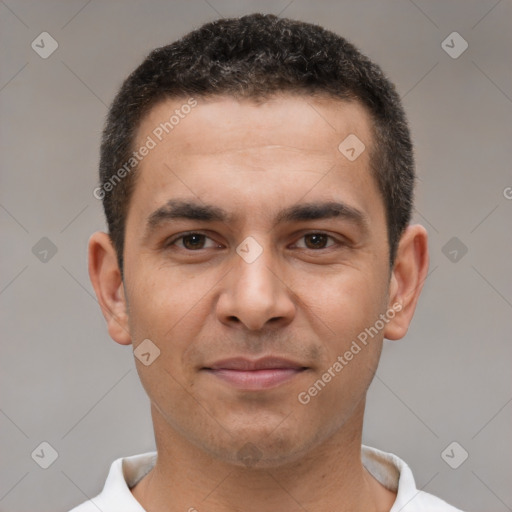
330	477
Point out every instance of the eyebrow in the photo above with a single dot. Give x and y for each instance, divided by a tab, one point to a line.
322	210
183	209
192	210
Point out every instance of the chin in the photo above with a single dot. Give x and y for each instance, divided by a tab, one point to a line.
261	449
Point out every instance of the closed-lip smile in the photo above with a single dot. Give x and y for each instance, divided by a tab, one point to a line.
255	374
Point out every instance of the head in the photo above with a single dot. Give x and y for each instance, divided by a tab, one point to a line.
257	179
257	57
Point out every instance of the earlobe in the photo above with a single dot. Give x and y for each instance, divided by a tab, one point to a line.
106	279
409	274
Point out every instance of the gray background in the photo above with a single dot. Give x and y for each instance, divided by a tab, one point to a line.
65	382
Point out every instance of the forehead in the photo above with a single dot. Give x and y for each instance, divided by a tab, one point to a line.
291	120
248	154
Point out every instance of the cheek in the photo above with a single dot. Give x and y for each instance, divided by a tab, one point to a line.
171	309
347	302
160	298
161	309
166	311
346	310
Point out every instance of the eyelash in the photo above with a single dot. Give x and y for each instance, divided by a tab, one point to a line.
169	243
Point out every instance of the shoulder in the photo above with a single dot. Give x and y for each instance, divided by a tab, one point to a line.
425	502
116	496
394	474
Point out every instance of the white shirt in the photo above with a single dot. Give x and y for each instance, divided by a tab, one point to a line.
391	471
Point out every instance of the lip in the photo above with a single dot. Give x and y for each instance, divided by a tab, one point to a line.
263	373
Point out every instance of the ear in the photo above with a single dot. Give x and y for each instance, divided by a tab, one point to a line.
409	273
106	279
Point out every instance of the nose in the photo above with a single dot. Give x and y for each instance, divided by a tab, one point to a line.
255	295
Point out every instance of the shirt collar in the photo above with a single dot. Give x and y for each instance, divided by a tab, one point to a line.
391	471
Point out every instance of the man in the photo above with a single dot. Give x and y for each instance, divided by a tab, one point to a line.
257	178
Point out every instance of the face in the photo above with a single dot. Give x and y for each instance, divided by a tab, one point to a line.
256	255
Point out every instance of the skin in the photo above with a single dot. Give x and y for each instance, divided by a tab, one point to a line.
303	298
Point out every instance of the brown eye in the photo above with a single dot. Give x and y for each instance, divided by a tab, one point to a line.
193	241
316	241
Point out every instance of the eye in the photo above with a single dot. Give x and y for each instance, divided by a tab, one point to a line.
191	241
317	241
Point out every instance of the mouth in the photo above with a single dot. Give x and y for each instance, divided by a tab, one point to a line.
264	373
